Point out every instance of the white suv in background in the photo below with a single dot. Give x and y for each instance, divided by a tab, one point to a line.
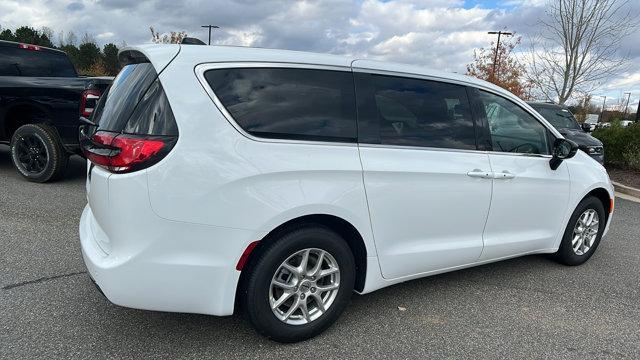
283	181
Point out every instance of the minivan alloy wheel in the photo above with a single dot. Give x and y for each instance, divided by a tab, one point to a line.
304	286
585	232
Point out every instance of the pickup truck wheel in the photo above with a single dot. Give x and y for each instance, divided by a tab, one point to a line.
37	153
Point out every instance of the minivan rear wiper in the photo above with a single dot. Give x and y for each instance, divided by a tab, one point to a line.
84	120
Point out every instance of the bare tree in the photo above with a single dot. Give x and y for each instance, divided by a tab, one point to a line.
48	32
71	38
87	39
173	37
578	45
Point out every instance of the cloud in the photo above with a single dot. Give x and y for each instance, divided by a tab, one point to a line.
440	34
75	6
105	35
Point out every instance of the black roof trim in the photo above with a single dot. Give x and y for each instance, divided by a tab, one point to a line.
9	43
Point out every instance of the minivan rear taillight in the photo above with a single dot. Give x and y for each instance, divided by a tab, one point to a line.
122	153
88	102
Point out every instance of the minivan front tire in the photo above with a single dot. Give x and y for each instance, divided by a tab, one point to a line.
583	233
299	284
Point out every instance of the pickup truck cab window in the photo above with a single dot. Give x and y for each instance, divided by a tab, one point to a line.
15	61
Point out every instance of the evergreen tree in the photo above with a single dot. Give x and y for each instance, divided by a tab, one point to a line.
110	59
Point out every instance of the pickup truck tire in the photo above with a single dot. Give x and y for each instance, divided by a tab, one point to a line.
37	153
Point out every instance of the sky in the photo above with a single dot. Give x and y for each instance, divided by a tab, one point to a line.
440	34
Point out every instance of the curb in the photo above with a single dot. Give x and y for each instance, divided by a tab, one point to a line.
626	189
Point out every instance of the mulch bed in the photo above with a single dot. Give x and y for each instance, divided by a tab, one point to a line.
625	177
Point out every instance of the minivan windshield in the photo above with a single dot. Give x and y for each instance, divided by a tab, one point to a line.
558	117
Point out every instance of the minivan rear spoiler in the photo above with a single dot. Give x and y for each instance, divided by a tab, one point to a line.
158	55
131	57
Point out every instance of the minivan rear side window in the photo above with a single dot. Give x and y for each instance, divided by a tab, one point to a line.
136	103
288	103
413	112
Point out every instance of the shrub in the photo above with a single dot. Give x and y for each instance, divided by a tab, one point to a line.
621	145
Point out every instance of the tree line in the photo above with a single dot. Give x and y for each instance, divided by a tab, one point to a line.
87	57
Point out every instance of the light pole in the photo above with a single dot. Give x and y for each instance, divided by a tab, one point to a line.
495	57
624	115
604	102
210	27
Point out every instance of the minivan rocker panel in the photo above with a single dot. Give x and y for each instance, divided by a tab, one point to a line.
182	234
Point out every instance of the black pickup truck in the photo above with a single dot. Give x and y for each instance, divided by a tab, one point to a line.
41	101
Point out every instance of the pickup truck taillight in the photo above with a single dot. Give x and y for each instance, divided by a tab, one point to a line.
123	153
29	47
88	102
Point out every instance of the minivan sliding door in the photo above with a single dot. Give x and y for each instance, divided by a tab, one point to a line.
426	183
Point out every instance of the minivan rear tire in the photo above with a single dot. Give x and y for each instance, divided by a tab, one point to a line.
255	297
45	138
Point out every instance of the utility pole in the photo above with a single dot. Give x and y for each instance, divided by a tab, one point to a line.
495	57
624	115
603	105
210	27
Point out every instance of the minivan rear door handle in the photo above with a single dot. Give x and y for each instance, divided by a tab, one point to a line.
477	173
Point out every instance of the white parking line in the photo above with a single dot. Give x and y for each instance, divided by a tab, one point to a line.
628	197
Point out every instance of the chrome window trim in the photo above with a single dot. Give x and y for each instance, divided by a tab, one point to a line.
413	147
542	156
427	148
200	69
411	76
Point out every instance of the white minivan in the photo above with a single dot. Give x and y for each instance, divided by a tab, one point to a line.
279	182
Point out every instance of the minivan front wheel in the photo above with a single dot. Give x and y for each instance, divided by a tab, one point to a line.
583	233
300	284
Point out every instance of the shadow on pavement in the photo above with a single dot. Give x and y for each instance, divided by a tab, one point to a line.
76	170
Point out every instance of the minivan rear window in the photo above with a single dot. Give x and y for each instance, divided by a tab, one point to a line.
15	61
305	104
135	103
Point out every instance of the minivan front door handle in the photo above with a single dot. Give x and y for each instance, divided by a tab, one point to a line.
503	175
477	173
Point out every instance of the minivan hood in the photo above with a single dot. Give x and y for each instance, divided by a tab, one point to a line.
580	137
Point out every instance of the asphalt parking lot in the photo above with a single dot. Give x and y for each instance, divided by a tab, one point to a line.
523	308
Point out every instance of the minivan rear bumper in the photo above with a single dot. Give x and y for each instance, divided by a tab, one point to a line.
197	276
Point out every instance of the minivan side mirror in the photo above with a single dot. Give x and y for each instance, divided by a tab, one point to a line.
562	149
586	127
